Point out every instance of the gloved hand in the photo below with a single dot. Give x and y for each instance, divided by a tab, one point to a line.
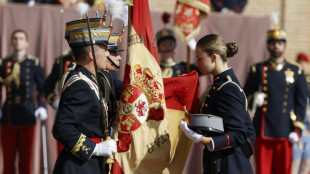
293	137
106	148
41	113
259	98
55	104
189	133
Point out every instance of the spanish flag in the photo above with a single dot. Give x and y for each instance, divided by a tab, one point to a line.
149	137
142	132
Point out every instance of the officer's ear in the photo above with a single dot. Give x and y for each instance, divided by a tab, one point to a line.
90	54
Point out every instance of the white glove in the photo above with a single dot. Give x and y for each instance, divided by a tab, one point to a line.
259	98
106	148
41	113
189	133
293	137
55	104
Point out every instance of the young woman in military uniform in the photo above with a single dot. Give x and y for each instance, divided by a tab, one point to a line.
225	153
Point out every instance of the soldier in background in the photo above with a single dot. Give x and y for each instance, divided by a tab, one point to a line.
19	74
278	90
52	83
166	45
228	6
301	157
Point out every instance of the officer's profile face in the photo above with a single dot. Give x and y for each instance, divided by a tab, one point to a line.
19	41
204	62
166	46
276	48
101	57
116	58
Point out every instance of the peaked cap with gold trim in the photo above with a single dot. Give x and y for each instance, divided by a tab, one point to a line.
114	42
77	32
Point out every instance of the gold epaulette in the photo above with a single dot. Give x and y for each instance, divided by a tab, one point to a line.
254	66
35	59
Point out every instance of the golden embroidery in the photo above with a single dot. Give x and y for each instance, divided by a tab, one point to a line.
78	145
84	148
13	76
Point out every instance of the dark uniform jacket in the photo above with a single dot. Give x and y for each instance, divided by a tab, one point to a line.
226	99
19	78
78	119
235	5
286	94
174	69
60	66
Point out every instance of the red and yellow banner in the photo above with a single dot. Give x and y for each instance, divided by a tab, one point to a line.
187	17
143	139
149	137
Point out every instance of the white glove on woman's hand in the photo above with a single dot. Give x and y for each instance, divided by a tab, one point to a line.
106	148
55	104
41	113
259	98
293	137
189	133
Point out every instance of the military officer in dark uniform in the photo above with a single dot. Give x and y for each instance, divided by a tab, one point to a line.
61	64
228	152
228	6
277	89
166	45
81	122
19	73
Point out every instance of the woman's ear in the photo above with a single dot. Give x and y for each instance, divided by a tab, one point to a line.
213	57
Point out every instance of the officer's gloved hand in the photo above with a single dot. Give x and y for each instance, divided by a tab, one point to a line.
55	104
41	113
259	98
106	148
293	137
189	133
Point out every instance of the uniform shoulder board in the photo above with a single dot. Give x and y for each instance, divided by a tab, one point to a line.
65	53
297	65
255	65
34	59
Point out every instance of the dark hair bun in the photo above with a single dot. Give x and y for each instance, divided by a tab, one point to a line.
232	49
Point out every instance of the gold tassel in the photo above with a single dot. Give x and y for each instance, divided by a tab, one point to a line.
13	76
110	159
